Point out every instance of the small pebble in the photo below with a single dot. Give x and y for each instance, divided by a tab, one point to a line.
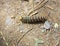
43	30
47	25
56	25
21	31
12	17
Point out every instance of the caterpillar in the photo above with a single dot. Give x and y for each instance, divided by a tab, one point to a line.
33	19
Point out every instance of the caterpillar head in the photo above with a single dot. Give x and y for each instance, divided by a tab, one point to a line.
19	18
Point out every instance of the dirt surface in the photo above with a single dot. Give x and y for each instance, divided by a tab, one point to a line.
17	33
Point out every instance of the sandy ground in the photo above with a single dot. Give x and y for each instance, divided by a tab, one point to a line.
14	31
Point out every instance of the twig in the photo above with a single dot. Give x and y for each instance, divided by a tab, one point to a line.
57	44
50	7
38	6
4	38
23	36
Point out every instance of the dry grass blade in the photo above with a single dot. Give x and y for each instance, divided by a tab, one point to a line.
23	36
3	38
38	6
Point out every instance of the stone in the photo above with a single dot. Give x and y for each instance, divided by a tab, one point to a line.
56	25
47	25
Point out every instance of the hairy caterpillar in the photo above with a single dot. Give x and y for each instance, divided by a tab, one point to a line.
33	19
